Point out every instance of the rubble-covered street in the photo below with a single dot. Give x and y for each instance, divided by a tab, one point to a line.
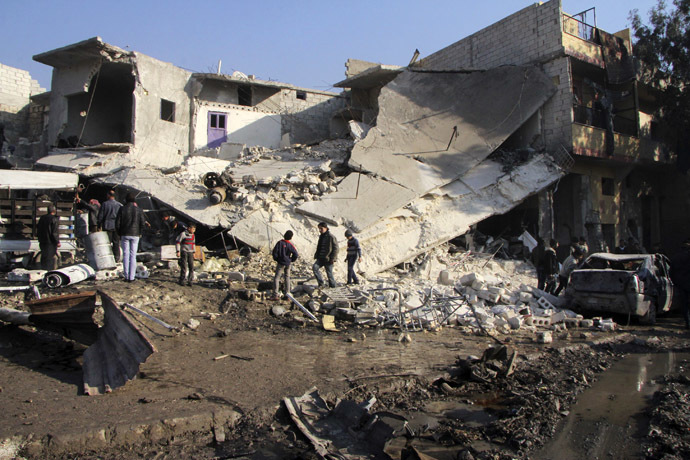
213	388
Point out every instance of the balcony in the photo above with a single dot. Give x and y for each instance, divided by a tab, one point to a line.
590	141
578	41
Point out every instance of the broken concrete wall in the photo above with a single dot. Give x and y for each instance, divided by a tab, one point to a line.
356	66
432	128
307	115
532	35
16	87
160	142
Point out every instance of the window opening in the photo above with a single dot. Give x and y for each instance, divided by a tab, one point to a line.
608	187
244	95
167	110
302	95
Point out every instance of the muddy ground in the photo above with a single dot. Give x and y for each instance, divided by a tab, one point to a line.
185	404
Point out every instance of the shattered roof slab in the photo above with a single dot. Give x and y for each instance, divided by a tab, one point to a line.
371	78
90	49
255	82
26	180
432	128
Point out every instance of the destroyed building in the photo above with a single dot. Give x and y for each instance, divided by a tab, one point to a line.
623	182
107	99
20	119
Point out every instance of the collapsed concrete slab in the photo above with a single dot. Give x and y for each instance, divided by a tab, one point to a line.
432	128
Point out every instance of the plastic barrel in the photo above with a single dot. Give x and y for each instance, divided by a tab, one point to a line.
99	251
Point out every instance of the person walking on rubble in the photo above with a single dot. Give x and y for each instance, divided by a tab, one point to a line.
284	253
48	238
680	275
537	260
326	253
550	266
354	255
106	222
569	264
185	246
129	224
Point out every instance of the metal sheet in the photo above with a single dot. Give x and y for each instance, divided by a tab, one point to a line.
69	315
29	180
68	275
114	358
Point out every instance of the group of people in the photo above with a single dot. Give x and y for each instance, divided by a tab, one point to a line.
285	253
552	277
124	225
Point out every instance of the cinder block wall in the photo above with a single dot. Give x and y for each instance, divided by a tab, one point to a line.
309	120
16	87
532	35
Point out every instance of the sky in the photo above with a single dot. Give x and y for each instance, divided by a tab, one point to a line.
302	42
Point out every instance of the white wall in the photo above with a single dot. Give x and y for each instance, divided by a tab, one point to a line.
245	125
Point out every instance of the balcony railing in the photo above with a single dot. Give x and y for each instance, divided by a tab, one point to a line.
597	118
579	28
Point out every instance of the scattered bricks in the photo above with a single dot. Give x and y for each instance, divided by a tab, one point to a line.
545	304
543	321
488	296
473	299
529	320
586	323
500	322
468	279
525	296
544	337
558	317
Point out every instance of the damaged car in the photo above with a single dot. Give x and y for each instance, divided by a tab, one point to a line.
633	284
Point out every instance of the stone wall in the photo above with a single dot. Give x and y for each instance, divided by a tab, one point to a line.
16	87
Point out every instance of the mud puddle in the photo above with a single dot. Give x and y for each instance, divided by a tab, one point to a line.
608	420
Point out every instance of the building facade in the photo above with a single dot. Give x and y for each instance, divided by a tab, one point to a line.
602	114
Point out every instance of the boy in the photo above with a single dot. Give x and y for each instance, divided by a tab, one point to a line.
284	253
354	254
185	245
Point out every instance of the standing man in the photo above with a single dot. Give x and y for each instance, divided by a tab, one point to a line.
106	221
569	264
537	261
129	224
680	275
186	246
284	253
326	253
549	265
354	254
48	238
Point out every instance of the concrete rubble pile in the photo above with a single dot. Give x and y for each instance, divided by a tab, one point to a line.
434	189
470	292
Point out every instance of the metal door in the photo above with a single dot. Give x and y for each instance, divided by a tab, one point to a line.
217	129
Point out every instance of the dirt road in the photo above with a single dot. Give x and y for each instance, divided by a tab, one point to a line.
186	403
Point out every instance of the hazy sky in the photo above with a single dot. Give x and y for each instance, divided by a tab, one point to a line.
305	43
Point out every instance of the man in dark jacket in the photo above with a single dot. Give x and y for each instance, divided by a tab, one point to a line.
354	255
680	275
129	224
48	238
106	221
326	253
284	253
549	266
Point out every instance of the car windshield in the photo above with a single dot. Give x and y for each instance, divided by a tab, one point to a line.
601	264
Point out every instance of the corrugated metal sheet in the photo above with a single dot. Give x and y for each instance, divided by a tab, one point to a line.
114	358
69	315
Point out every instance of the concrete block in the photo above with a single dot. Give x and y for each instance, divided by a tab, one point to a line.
525	296
515	322
558	317
488	296
607	325
545	304
543	321
572	323
497	290
477	285
444	278
544	337
236	276
586	323
469	278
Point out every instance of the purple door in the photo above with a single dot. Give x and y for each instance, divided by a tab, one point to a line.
217	129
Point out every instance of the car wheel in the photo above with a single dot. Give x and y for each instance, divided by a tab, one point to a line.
650	317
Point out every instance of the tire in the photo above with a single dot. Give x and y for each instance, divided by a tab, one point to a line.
650	318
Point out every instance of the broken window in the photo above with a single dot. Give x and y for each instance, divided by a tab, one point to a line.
608	186
301	95
244	95
167	110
